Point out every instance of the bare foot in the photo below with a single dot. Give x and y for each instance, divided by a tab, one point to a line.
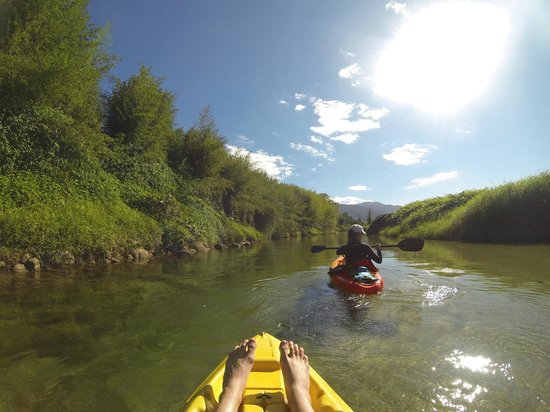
295	368
237	368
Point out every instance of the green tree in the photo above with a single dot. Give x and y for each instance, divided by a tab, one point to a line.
202	150
52	56
141	115
200	154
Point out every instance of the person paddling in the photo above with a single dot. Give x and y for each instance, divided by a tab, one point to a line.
359	255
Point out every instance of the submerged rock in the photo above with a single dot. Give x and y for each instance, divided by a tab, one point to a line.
33	264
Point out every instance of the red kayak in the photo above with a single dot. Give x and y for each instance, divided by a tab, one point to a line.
341	279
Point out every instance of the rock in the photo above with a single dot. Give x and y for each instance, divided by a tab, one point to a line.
116	258
141	255
3	265
186	251
220	246
32	264
63	258
24	257
247	243
19	267
235	245
200	247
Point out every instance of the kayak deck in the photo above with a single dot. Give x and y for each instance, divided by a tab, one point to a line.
265	389
340	279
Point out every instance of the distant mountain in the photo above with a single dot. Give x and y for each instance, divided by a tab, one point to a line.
361	210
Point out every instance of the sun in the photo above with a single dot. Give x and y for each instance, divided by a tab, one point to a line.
444	56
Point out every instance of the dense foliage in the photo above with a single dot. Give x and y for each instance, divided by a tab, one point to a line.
95	173
516	212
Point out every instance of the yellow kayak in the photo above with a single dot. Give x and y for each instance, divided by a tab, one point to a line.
265	389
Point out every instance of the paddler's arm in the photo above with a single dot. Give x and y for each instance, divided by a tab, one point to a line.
377	257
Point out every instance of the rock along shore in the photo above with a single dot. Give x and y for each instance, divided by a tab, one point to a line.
17	262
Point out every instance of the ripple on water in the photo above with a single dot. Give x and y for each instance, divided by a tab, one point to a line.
447	271
435	295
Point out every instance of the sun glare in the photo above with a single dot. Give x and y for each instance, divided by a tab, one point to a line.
444	56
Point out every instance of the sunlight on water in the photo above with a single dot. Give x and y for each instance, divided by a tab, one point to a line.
461	391
437	294
358	301
478	364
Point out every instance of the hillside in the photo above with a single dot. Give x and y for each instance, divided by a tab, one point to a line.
361	210
517	212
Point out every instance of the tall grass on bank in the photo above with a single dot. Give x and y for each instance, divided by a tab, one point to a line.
517	212
42	216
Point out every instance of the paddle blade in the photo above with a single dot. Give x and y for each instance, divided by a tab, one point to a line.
317	249
411	245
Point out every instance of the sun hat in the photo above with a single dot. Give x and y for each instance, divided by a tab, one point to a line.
357	229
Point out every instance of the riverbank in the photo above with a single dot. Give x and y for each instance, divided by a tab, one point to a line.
517	212
94	175
17	261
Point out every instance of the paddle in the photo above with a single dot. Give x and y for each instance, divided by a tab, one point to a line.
408	245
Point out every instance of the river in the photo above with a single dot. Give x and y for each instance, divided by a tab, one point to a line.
458	327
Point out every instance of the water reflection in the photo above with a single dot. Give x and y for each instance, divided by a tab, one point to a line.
478	373
512	265
141	338
478	364
461	391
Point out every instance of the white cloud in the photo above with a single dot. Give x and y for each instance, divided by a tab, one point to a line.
329	147
408	154
299	96
283	102
299	107
325	154
352	73
375	114
340	118
438	177
398	8
349	72
346	138
244	141
275	166
463	130
359	188
347	53
349	200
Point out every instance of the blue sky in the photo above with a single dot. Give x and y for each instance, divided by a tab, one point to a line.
360	99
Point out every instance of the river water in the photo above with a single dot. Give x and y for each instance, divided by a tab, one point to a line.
458	327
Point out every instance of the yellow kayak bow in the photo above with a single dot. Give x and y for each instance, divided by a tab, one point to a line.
265	388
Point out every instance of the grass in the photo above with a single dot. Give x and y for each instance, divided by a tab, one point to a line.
517	212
